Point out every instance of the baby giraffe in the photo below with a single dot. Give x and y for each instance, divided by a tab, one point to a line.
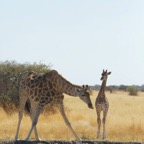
102	104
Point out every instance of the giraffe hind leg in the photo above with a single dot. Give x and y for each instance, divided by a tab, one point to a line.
35	129
36	110
36	134
29	111
61	109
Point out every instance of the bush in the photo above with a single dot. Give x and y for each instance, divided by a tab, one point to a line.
142	88
133	90
10	75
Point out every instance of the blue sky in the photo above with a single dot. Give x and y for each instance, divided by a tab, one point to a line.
79	38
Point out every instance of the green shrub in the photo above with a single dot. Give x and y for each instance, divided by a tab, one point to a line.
133	90
10	75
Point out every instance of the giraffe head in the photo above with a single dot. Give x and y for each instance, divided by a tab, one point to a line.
84	95
105	74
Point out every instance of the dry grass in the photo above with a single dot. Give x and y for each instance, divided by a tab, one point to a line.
125	120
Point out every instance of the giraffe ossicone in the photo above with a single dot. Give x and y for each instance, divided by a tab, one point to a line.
47	89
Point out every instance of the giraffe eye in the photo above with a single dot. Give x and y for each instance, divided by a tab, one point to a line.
78	90
83	94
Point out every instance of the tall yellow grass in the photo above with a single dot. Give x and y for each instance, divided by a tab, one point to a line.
125	120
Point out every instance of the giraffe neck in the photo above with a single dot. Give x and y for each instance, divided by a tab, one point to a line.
60	84
102	89
67	87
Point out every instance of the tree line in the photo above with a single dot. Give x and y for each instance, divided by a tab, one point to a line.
131	89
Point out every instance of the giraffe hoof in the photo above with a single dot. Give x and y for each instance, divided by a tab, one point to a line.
16	139
97	136
39	139
104	137
27	139
78	142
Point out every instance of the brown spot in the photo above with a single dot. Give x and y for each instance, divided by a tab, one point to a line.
36	99
50	85
41	85
48	93
45	89
52	93
45	84
39	77
32	86
37	84
28	84
44	78
31	92
54	84
46	99
32	97
32	81
43	101
40	90
36	91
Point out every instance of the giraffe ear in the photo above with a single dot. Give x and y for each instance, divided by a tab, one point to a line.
87	87
81	93
109	73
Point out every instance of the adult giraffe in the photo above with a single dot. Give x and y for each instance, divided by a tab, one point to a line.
47	89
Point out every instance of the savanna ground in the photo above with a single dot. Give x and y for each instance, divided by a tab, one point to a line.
125	120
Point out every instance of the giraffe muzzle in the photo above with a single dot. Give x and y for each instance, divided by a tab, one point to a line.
90	106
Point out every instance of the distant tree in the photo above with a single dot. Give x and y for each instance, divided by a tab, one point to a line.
96	87
133	90
112	88
122	87
142	88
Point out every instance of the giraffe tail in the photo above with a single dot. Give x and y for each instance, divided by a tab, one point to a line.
27	107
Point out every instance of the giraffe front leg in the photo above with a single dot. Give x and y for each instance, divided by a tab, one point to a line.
98	122
104	127
104	130
22	105
99	125
18	127
61	109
